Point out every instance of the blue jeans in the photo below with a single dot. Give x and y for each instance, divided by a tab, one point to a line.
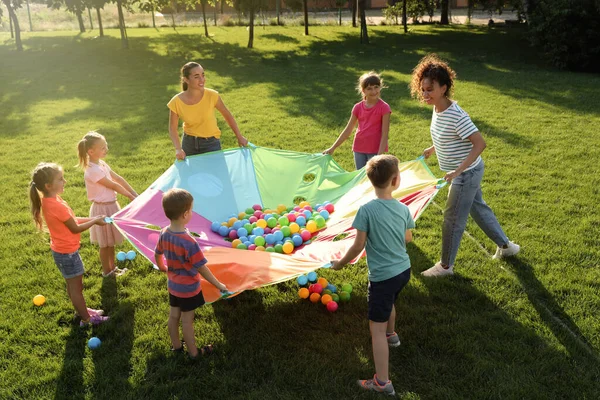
360	159
69	265
465	198
193	145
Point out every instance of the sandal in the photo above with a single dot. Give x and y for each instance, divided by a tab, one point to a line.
180	349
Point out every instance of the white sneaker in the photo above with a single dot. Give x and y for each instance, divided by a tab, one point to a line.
438	270
510	250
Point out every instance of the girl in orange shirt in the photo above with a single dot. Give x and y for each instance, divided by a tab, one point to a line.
65	229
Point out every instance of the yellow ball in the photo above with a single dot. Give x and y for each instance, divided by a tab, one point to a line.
281	208
235	243
224	224
294	228
288	247
323	282
259	248
261	223
311	226
241	215
303	204
39	300
231	221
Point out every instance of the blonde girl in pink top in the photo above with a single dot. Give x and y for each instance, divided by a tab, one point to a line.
373	117
102	185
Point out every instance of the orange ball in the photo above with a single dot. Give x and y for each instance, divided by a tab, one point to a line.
315	297
326	299
323	282
303	293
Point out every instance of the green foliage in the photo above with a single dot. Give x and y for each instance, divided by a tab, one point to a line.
393	12
568	31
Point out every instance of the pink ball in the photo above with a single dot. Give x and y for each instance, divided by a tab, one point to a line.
274	229
317	288
309	208
305	235
252	219
257	214
297	208
252	247
330	208
233	234
332	306
262	216
291	217
257	207
267	230
320	209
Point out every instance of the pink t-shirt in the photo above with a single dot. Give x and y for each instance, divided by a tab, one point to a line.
97	192
368	134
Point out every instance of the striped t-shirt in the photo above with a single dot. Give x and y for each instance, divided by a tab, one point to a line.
184	258
450	130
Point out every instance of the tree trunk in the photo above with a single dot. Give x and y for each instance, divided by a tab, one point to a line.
222	6
251	30
215	12
305	6
122	28
444	18
174	7
80	20
99	22
278	10
13	18
364	35
29	14
203	4
340	15
404	16
12	31
91	21
354	9
470	6
153	18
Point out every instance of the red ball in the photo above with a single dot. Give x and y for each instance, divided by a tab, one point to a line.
317	288
330	208
305	235
252	219
309	208
233	234
332	306
291	217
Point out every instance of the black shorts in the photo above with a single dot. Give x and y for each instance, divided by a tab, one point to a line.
186	303
382	296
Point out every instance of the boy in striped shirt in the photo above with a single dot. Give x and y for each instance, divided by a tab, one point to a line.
185	263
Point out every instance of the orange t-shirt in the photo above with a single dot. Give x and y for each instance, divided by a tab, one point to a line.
56	212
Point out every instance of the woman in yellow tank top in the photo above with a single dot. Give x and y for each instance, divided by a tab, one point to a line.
196	105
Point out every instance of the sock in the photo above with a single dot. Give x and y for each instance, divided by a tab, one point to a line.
380	382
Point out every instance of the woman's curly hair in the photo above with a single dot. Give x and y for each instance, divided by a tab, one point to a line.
432	67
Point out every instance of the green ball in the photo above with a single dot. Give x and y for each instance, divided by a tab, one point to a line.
335	297
286	231
272	222
327	291
320	222
346	287
259	241
279	248
270	250
249	211
241	246
283	221
248	228
344	296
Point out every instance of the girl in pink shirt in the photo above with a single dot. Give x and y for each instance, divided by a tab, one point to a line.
373	117
102	186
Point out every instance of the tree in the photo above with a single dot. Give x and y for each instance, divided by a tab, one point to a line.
150	6
305	8
404	22
98	4
11	6
444	18
364	35
251	7
122	27
76	7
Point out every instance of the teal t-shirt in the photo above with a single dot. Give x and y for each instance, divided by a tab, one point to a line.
385	222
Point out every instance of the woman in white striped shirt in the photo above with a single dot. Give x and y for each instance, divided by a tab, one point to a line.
458	145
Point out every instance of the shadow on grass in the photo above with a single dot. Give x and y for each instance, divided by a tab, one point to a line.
280	38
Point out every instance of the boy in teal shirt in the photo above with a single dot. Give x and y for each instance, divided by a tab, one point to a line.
383	225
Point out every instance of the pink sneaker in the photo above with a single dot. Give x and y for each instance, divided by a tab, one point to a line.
95	319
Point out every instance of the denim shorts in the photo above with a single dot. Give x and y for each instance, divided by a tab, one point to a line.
193	145
382	296
69	265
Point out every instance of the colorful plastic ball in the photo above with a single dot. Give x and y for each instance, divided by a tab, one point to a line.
241	215
281	208
249	211
270	249
301	220
325	299
288	247
279	248
231	221
294	227
303	203
302	280
267	230
312	276
317	288
243	239
323	282
335	297
315	297
320	221
252	247
307	214
291	217
237	225
344	296
297	240
329	207
248	227
283	221
39	300
257	207
261	223
241	246
311	288
286	231
223	231
346	287
235	243
233	234
242	232
279	235
272	222
258	231
121	256
308	207
324	214
215	227
303	293
248	243
252	219
251	238
131	255
259	241
327	291
332	306
259	248
305	235
270	238
94	343
332	287
311	226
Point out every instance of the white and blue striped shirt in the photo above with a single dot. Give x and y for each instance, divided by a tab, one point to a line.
450	130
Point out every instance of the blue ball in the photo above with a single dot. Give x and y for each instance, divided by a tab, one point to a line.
279	242
242	232
267	216
243	239
94	343
278	235
121	256
270	238
223	231
258	231
307	213
324	214
251	238
331	287
302	280
312	276
248	243
237	225
301	220
131	255
297	239
215	227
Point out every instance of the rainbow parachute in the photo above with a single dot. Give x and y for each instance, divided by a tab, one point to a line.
227	181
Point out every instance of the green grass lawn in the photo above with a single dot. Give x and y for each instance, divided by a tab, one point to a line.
523	328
